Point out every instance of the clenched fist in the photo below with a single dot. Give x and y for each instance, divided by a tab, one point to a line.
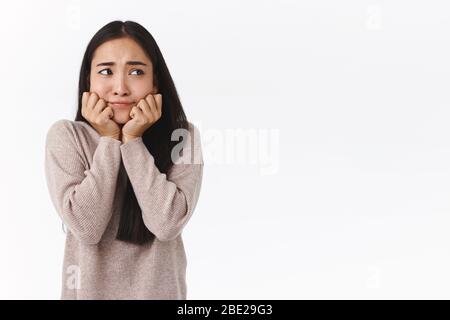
95	111
143	116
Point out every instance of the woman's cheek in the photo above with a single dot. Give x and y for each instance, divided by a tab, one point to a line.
143	88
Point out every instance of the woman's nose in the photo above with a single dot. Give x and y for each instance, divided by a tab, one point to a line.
121	87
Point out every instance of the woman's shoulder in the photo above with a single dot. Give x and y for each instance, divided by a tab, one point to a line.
69	126
194	142
193	129
65	130
194	133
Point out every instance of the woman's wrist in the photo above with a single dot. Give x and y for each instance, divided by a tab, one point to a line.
114	136
126	138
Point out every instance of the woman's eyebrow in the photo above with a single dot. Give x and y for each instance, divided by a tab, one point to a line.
130	63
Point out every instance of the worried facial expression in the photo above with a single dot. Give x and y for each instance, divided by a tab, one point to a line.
121	74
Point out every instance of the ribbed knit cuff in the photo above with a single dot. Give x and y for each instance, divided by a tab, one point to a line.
109	140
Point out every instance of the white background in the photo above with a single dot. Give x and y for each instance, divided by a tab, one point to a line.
354	95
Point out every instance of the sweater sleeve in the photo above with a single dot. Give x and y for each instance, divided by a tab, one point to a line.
83	197
167	201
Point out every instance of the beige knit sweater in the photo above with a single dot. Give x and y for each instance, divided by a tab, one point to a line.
86	178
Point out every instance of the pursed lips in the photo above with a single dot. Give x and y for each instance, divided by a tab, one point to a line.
120	105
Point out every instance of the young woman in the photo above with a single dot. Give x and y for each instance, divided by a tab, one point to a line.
125	176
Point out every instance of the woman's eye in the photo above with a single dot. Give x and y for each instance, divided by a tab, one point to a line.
139	71
108	70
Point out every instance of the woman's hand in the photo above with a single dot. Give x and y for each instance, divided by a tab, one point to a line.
143	116
94	110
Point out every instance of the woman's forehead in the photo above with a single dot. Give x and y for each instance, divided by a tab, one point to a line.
120	51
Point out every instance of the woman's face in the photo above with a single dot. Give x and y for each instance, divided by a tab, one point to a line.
121	72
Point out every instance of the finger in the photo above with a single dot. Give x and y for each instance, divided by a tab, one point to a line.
100	105
133	112
106	114
84	98
152	103
158	98
93	98
139	114
143	105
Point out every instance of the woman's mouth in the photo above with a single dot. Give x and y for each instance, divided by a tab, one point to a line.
120	105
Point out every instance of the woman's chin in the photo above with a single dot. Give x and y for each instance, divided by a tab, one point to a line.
121	117
120	121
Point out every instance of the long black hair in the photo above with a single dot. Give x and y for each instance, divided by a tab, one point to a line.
157	138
